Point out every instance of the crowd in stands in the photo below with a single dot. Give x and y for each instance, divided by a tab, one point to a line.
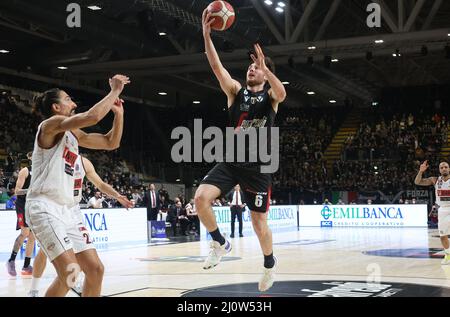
385	154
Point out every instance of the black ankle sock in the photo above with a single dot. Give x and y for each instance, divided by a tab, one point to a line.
269	261
13	256
217	236
26	263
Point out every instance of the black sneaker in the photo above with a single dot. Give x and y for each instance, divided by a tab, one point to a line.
232	235
241	235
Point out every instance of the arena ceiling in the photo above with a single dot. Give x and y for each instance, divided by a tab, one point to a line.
124	37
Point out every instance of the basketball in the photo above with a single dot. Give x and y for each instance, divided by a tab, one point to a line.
223	13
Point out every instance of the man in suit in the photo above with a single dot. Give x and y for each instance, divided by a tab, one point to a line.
177	214
236	207
152	202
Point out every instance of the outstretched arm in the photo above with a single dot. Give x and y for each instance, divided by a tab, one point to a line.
58	124
229	86
92	176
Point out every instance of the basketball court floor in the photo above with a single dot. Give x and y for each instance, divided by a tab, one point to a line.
311	262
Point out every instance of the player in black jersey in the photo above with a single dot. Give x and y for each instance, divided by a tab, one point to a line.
22	183
251	106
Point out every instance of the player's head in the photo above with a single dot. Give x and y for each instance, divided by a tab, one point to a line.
178	204
444	169
237	187
55	101
255	75
151	186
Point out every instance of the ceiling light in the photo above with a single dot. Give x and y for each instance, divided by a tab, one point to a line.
162	93
4	51
62	67
279	9
285	82
311	47
335	60
196	102
379	41
268	2
332	101
311	93
281	4
162	33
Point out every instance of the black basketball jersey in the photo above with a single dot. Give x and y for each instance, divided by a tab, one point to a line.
26	184
252	110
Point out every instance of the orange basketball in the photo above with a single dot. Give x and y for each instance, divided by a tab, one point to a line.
223	14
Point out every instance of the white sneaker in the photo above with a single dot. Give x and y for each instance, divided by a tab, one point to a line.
33	293
216	253
268	278
446	260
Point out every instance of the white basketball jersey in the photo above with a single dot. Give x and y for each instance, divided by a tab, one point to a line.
442	189
78	175
53	170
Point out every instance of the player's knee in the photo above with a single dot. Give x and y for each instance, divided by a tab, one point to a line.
100	269
201	201
95	270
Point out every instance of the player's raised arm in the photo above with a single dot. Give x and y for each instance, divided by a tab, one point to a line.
419	181
62	105
229	86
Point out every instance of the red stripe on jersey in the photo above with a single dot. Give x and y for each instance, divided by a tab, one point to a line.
78	183
69	157
268	198
241	118
443	192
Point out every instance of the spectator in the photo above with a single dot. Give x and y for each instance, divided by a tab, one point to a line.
152	200
96	201
137	198
237	207
193	217
433	217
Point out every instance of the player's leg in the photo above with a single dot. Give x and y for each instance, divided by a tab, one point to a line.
93	270
11	264
204	195
264	234
262	230
39	264
257	189
49	225
218	180
444	231
68	269
27	268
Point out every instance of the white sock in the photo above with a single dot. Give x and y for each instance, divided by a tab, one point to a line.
35	283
